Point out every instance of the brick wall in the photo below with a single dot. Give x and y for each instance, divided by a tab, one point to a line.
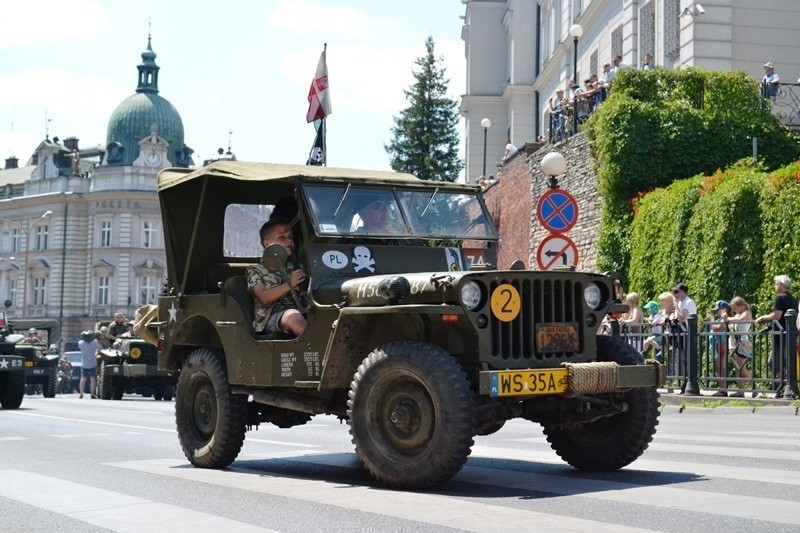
512	202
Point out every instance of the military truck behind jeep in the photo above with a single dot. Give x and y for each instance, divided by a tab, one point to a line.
12	371
131	366
41	366
414	339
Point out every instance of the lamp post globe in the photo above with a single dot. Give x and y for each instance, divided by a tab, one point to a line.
485	124
553	164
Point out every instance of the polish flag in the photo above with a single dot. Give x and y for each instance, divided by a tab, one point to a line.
319	100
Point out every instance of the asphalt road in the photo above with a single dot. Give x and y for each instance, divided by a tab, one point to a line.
91	465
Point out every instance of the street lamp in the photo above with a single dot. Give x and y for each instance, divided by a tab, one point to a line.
576	30
25	274
553	164
485	124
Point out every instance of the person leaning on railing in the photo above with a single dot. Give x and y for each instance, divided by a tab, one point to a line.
740	342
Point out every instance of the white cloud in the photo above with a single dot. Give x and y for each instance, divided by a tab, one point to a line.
302	17
47	21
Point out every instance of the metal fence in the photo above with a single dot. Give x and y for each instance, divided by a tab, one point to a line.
695	357
785	102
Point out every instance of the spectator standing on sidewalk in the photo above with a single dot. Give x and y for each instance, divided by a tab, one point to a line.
777	320
685	306
656	322
718	344
740	343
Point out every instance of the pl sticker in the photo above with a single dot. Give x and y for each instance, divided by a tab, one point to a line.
334	259
362	259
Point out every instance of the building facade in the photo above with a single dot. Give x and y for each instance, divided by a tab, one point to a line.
80	229
519	52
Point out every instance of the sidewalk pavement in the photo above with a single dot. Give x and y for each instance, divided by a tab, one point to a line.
673	396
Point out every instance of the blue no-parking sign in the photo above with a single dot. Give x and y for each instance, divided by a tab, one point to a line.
557	210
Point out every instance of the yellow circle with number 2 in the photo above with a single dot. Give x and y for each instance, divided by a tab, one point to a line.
505	302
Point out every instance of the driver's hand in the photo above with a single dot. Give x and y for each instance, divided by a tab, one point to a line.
297	277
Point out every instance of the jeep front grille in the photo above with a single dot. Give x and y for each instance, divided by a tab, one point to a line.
543	300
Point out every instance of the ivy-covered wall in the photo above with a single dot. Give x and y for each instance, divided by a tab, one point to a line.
660	139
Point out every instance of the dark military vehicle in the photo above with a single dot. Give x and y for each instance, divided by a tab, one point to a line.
41	355
131	366
413	336
12	371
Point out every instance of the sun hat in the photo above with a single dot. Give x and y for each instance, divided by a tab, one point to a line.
680	287
651	307
769	64
721	304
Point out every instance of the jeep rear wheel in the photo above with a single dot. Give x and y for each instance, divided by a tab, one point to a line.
411	415
616	441
12	385
210	420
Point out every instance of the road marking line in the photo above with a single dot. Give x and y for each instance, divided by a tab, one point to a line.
3	439
108	509
434	509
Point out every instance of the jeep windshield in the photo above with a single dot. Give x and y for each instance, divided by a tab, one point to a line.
415	213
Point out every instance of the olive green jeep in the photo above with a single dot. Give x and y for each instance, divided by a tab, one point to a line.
41	357
413	336
12	371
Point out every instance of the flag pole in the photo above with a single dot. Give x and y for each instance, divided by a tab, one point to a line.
324	139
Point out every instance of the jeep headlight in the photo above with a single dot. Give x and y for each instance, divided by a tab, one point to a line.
593	296
471	295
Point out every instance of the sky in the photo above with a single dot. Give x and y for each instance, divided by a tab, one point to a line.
241	66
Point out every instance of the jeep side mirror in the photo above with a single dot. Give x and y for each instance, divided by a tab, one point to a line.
274	257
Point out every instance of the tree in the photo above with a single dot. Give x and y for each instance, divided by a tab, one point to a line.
425	139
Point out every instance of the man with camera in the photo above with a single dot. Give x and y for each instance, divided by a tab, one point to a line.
88	346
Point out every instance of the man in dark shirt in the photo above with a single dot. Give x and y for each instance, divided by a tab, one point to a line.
777	318
118	327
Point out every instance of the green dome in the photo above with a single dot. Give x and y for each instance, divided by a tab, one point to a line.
141	114
133	120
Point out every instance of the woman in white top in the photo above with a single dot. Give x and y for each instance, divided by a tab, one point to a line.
740	343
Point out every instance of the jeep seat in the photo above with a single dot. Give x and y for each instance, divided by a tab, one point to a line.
236	289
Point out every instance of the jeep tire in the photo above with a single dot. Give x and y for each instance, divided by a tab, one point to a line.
411	415
51	387
616	441
13	390
209	418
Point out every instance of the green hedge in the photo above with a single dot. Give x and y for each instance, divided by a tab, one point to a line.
665	125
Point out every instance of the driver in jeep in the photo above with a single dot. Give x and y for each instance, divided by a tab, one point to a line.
275	307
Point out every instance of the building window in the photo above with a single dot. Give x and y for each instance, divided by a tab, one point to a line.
41	237
16	240
102	290
147	290
148	235
593	64
616	42
672	29
647	31
39	287
105	234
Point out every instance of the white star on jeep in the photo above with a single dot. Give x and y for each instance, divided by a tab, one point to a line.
173	313
4	363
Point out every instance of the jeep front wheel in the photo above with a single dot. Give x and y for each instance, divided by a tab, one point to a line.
210	420
411	415
13	390
616	441
52	385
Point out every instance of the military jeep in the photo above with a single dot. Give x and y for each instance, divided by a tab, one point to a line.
41	366
131	366
12	371
413	337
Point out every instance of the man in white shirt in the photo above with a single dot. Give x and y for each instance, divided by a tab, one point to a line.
686	305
